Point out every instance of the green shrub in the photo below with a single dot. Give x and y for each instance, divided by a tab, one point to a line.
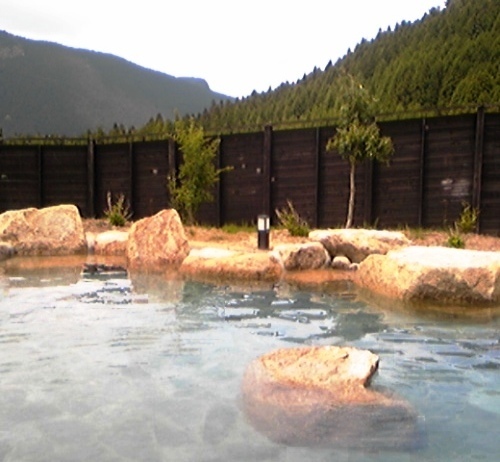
118	214
467	221
289	219
455	240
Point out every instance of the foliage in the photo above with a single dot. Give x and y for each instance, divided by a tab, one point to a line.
455	239
449	58
290	219
118	213
197	173
467	221
358	137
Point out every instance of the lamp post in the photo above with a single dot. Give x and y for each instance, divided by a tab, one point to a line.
263	232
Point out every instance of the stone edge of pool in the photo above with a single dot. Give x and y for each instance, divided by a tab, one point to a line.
383	262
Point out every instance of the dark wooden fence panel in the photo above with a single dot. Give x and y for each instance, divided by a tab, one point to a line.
490	186
334	184
243	187
439	164
448	168
113	174
65	176
20	177
150	171
397	188
294	171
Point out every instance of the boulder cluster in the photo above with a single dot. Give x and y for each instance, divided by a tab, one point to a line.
385	262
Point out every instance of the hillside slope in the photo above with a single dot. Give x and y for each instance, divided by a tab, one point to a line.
47	88
448	59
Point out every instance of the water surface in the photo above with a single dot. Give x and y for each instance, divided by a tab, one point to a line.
104	368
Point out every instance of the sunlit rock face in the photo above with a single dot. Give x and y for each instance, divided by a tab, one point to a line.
439	275
108	243
220	264
320	396
54	230
157	242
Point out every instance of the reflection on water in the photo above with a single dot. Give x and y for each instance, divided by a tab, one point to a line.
102	367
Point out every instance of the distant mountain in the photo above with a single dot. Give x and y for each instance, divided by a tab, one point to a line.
50	89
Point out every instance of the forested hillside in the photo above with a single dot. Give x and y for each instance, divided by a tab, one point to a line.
448	59
49	89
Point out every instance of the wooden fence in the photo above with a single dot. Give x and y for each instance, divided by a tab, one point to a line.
439	164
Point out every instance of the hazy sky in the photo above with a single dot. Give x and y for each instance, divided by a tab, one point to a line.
236	45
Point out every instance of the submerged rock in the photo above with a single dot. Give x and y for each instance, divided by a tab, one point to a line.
54	230
434	274
319	396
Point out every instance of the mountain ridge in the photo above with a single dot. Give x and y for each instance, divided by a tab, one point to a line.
51	89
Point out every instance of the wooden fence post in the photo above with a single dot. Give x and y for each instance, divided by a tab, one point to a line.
317	174
267	170
423	154
131	158
218	186
478	162
368	208
91	178
172	162
41	198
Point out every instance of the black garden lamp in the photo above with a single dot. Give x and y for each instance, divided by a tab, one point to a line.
263	231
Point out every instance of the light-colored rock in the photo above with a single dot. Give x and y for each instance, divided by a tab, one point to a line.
54	230
319	396
310	255
357	244
110	243
440	275
158	241
252	266
343	263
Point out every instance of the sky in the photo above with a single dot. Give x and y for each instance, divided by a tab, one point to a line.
237	46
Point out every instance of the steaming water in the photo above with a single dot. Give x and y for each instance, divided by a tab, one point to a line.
99	368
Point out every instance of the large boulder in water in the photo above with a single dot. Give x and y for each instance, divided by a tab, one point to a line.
440	275
54	230
319	396
158	241
222	265
357	244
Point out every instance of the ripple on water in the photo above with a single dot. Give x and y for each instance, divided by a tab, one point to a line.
102	375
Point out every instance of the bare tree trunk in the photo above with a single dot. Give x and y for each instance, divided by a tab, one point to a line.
352	194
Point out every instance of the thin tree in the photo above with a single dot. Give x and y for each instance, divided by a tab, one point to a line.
197	173
357	136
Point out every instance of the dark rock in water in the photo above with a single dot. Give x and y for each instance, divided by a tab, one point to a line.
100	268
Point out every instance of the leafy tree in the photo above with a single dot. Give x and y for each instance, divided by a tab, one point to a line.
357	137
197	173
